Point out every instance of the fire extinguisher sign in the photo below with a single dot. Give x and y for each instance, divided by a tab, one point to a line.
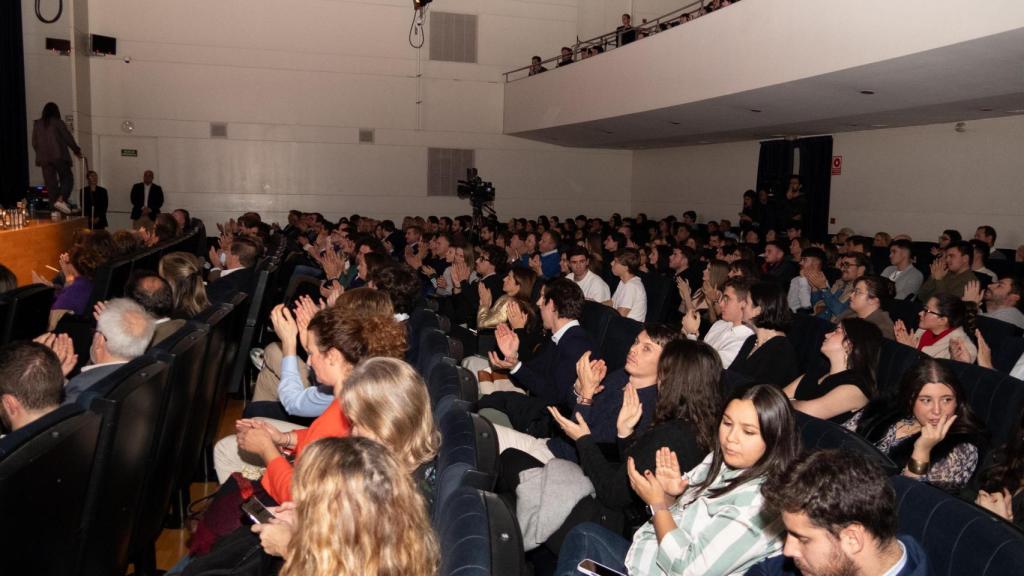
837	165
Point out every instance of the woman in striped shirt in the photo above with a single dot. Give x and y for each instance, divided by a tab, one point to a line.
710	521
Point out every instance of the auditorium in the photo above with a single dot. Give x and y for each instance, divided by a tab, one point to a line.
512	287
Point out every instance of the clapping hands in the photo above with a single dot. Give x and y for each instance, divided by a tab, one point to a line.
589	375
630	413
63	347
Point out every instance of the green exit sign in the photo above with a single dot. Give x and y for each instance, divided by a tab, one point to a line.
129	152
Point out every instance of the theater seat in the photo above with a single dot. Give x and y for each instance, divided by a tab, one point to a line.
595	319
1006	356
806	334
996	398
446	388
44	478
478	536
996	332
958	537
27	312
817	434
657	287
618	339
468	454
432	347
894	360
906	310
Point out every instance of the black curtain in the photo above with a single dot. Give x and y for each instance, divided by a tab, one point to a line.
13	138
816	178
774	167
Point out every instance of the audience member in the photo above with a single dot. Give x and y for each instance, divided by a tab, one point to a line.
945	319
840	516
518	284
536	67
79	266
566	57
727	335
849	382
866	302
626	33
767	356
812	263
238	273
776	267
987	234
928	430
184	274
908	279
593	287
31	382
630	297
1002	479
951	273
834	303
1002	300
713	519
124	331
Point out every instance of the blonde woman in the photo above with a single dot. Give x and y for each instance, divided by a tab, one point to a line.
343	490
184	272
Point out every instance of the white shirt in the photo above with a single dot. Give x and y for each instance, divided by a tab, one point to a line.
631	295
799	294
1010	315
594	288
554	338
1018	368
727	339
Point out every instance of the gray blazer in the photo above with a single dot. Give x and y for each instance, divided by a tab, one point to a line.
51	142
86	380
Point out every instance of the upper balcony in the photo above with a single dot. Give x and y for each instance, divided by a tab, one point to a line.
770	68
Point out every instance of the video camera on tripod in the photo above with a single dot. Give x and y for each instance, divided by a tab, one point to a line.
480	193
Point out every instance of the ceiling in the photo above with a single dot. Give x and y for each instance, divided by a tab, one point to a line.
982	78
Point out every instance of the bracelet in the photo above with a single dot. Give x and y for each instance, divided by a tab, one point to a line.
917	468
655	508
584	401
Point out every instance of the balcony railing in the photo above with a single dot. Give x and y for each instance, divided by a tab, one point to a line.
582	50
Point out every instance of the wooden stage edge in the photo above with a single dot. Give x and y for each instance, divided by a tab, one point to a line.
37	246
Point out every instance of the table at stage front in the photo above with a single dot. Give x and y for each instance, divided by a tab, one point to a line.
37	246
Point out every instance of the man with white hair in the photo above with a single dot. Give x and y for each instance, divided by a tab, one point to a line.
123	332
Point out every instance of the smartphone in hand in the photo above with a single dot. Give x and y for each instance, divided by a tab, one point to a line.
591	568
257	511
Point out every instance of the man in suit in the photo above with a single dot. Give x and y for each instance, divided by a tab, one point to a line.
31	383
549	376
238	269
147	199
123	332
95	200
153	293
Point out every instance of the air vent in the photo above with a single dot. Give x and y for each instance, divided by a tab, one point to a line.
218	130
445	167
453	37
366	135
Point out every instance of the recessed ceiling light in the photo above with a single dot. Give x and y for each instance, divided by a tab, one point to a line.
879	125
674	123
852	125
755	110
867	92
985	109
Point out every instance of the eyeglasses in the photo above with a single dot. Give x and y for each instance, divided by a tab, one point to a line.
861	293
932	312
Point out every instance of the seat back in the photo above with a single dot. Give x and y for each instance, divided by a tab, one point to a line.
817	434
807	334
657	287
1005	357
251	321
618	339
44	479
595	319
217	318
110	280
28	313
906	311
183	352
148	260
958	537
129	403
997	398
433	346
478	536
894	360
996	332
468	454
301	285
234	325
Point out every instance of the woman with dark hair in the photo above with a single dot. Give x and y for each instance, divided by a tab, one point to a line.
630	297
78	267
657	259
944	318
849	383
684	420
929	429
768	356
1002	480
742	269
713	519
518	283
51	140
866	302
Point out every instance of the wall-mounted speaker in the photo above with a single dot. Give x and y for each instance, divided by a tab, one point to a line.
59	45
104	45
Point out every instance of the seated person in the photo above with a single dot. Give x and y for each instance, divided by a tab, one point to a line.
713	520
594	288
1001	480
518	283
706	298
866	302
777	267
183	272
929	429
812	264
78	267
599	397
841	518
727	335
153	293
239	261
950	273
833	303
123	332
344	482
848	383
31	382
630	297
685	422
1002	300
902	272
945	319
402	285
768	356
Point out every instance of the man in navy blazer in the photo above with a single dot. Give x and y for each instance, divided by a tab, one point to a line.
147	198
551	373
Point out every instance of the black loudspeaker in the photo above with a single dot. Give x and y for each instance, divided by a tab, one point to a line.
104	45
59	45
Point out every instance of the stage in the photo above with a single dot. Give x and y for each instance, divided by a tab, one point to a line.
37	246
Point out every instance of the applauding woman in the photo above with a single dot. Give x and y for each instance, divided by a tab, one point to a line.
711	520
930	430
945	322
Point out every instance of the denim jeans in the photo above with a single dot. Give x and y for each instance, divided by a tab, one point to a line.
594	542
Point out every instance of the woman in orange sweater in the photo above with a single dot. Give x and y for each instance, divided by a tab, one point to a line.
336	343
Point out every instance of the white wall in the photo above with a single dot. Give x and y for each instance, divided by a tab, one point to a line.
296	81
47	74
916	180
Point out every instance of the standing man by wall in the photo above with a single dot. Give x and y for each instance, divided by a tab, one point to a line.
147	199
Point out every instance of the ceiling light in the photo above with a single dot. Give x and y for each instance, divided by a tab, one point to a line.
852	125
674	123
867	92
985	109
755	110
879	125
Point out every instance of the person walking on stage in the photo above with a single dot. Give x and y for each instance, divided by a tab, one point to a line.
51	140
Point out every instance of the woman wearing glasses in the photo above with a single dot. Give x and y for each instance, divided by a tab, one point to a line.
944	319
866	302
